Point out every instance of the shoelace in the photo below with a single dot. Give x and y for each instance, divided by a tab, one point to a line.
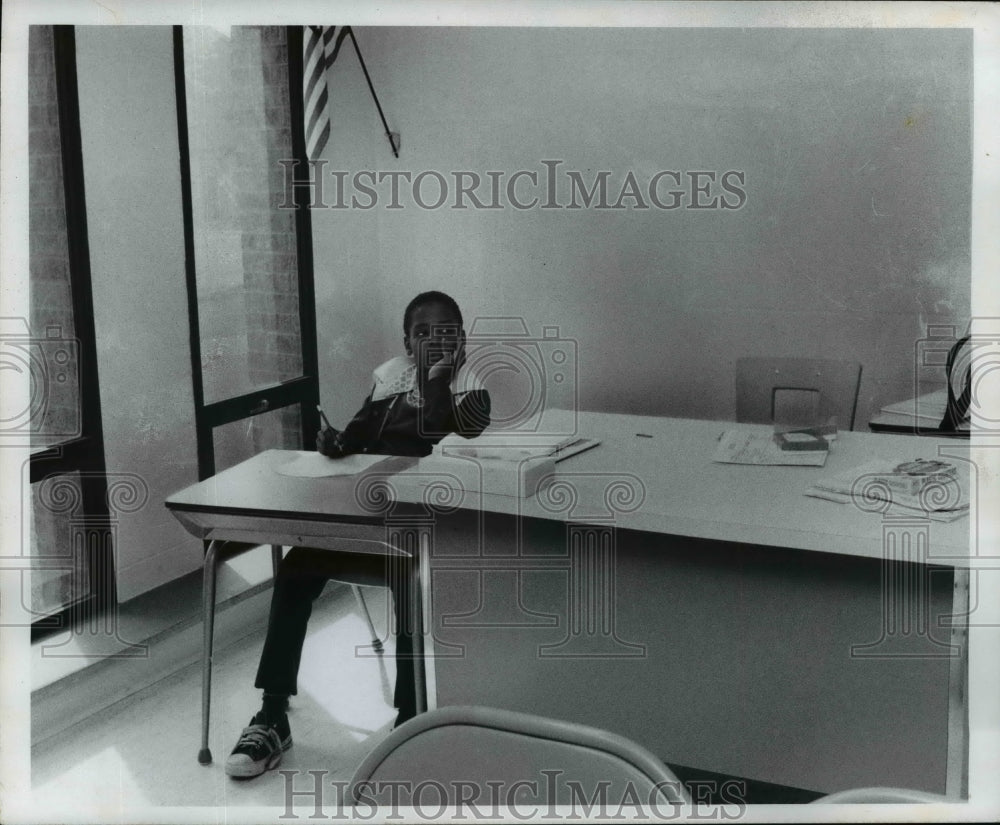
258	736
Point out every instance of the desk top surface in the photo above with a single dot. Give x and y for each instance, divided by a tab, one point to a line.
666	483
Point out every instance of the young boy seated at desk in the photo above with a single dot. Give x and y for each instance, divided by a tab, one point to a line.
411	407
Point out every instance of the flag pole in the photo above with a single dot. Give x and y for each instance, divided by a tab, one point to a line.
371	89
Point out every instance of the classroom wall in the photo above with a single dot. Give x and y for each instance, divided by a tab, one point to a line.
854	236
128	124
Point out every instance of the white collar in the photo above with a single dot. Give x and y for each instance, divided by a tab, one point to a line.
399	375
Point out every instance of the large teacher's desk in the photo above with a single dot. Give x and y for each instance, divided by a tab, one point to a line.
711	612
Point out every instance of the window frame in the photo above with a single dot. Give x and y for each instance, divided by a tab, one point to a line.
304	389
84	453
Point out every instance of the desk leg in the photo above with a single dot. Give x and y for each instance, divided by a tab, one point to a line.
957	779
416	621
208	623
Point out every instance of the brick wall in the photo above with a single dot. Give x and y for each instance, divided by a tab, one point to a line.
51	313
239	127
270	263
51	306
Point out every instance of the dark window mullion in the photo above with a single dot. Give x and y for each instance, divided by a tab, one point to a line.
203	430
303	233
76	454
84	454
64	42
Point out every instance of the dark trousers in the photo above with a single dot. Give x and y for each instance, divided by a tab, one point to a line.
301	577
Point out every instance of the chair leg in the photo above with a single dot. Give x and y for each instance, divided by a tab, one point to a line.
275	558
359	596
208	623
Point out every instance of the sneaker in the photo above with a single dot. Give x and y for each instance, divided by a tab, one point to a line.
259	747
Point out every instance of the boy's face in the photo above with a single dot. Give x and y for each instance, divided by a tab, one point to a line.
435	332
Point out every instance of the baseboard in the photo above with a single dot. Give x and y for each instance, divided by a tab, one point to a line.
706	787
58	706
129	628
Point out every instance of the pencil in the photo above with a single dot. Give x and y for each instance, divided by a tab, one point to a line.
326	422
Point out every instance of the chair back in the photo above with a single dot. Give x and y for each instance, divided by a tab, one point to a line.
810	388
958	370
447	756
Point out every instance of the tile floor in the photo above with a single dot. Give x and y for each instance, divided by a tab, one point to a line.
141	753
137	760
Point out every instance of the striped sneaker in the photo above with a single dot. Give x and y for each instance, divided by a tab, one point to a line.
259	747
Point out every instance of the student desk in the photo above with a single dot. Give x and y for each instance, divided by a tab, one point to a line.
252	504
903	419
711	612
907	425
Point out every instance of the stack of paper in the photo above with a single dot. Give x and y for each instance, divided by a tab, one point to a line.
516	447
935	490
755	447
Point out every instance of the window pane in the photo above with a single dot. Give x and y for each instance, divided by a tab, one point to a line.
245	255
45	347
60	544
239	440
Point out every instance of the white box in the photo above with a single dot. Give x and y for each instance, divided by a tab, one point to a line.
518	479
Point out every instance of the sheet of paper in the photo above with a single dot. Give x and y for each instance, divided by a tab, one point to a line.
894	507
748	447
310	464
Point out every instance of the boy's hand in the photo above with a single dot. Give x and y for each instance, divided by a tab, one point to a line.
326	442
442	367
449	363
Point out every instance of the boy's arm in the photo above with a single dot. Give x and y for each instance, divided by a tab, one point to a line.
352	439
441	415
472	413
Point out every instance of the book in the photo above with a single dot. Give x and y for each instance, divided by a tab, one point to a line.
908	477
930	487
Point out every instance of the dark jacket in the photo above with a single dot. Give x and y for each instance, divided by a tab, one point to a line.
395	426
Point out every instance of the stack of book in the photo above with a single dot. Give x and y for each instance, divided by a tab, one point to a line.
514	446
932	488
497	463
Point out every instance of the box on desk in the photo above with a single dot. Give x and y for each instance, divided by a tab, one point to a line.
520	478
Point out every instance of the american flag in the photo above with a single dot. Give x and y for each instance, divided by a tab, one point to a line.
320	45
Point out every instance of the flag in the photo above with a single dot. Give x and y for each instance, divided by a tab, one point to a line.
320	45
